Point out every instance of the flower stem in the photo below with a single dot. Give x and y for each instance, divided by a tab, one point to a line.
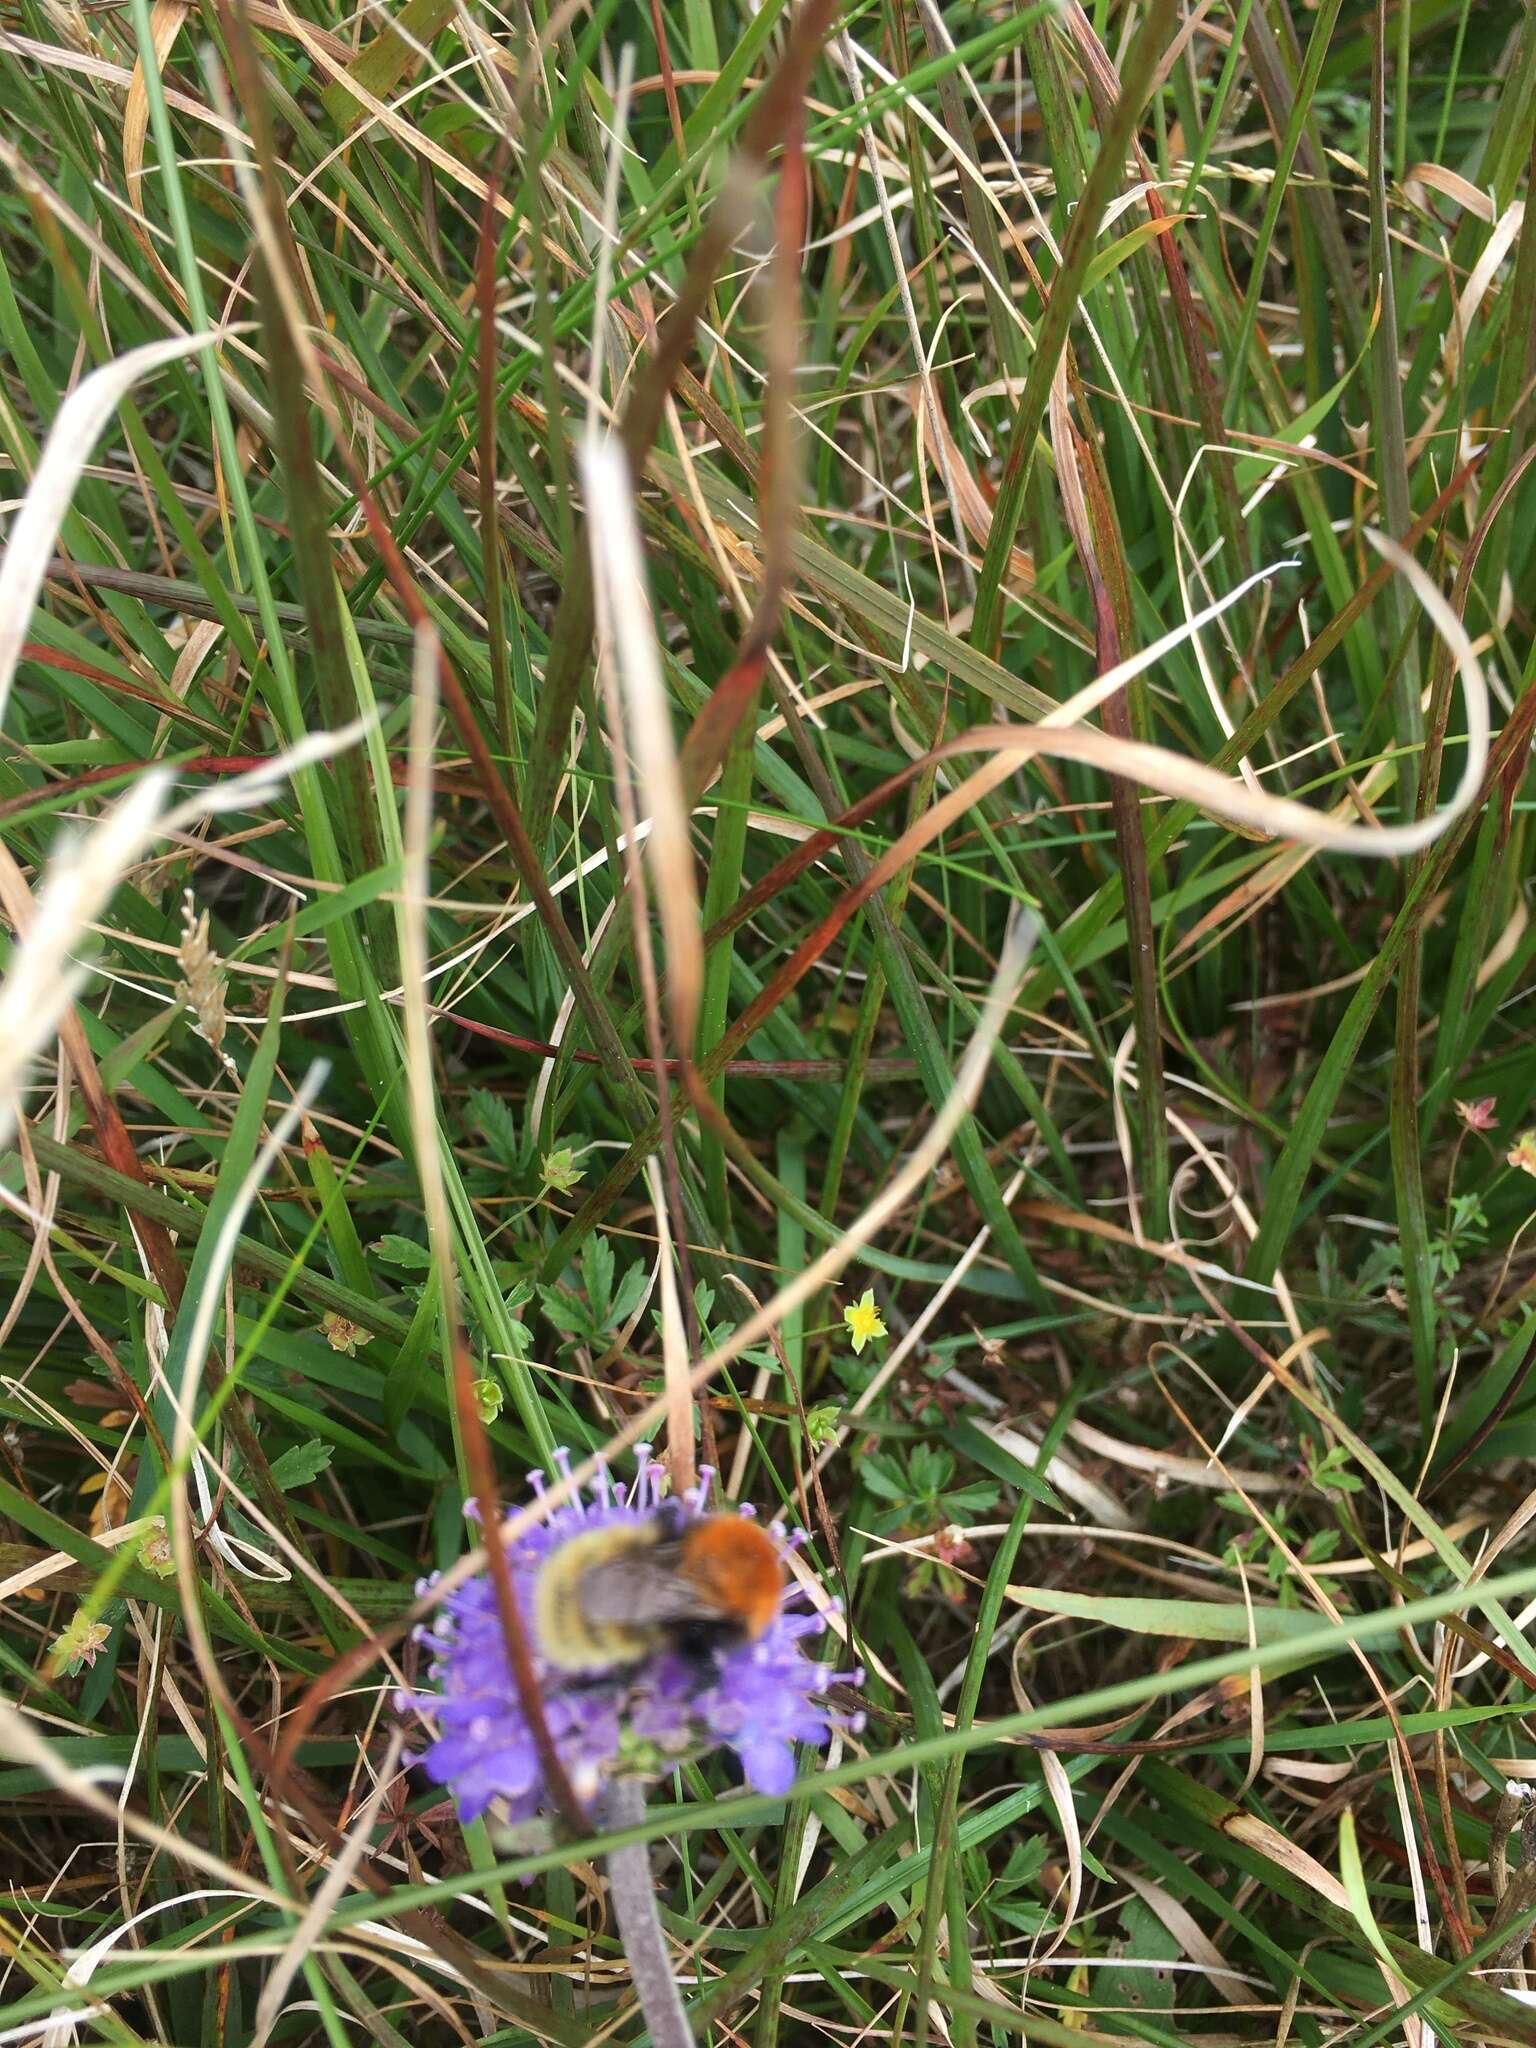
639	1923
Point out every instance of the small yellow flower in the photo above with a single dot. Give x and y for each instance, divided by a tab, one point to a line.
1523	1152
343	1335
80	1644
560	1171
863	1318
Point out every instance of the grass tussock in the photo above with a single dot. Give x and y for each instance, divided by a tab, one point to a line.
802	732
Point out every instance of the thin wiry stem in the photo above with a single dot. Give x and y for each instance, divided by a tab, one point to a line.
639	1922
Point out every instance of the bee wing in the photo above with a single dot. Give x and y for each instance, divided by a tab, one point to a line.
645	1587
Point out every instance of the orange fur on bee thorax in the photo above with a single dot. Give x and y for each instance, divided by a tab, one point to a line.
735	1564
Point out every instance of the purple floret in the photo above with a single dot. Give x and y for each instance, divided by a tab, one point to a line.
758	1700
760	1704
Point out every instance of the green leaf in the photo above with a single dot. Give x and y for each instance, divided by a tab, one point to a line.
1250	471
567	1312
1203	1621
411	1368
597	1274
930	1468
1144	1987
1109	260
403	1252
496	1126
968	1503
884	1479
301	1464
1356	1888
975	1444
628	1296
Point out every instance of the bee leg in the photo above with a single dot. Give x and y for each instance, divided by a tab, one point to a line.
608	1679
672	1517
697	1640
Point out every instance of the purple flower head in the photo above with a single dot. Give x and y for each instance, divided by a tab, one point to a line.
757	1698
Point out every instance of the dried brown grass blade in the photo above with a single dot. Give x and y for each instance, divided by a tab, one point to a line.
165	22
77	427
629	636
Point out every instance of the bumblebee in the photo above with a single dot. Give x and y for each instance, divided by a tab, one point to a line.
616	1596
